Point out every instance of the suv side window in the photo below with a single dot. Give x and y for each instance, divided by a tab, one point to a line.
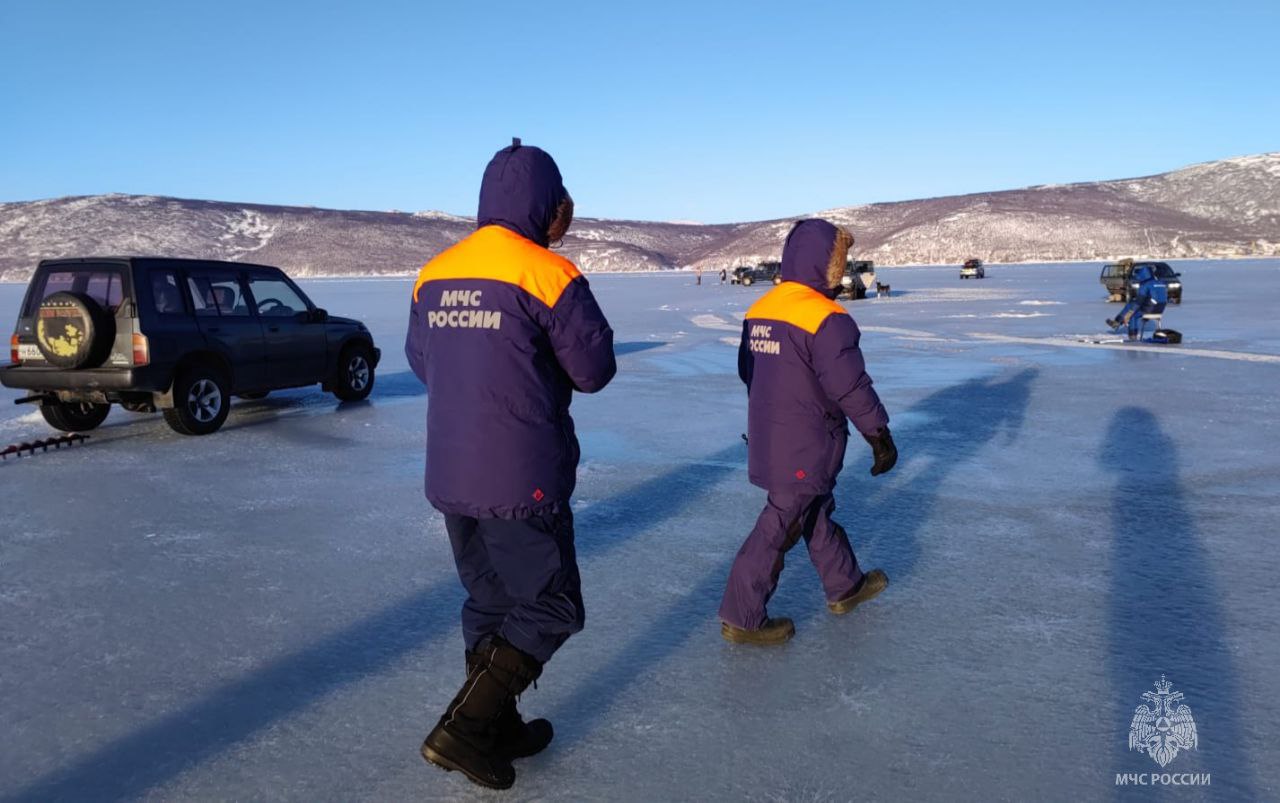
218	293
166	293
275	297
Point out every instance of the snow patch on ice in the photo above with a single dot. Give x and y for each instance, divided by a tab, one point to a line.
953	294
1242	356
713	322
19	422
894	330
1030	303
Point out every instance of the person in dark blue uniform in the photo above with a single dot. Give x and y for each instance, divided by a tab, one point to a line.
1151	298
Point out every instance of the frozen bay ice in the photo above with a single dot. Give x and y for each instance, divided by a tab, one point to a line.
272	611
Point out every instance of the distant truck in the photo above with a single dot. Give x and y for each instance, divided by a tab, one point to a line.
748	275
1117	277
973	269
859	277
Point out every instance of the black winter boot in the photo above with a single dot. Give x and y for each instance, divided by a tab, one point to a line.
466	737
517	738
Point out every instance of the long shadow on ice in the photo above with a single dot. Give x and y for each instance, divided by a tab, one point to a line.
400	385
948	429
633	346
957	421
128	767
1164	615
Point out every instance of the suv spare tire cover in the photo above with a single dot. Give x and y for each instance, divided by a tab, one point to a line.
74	331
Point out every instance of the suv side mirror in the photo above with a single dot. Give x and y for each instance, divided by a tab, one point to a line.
318	315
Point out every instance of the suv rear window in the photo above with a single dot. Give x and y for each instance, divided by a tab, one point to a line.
102	283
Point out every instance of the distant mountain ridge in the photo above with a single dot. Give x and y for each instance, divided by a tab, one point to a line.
1227	208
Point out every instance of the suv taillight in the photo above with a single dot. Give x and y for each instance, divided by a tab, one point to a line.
141	349
13	349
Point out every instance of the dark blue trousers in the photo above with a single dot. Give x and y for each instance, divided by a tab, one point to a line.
787	517
522	581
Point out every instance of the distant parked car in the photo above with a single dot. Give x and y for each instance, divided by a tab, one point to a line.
748	275
1117	277
973	269
859	277
178	336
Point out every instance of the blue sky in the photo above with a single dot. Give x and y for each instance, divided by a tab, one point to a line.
665	111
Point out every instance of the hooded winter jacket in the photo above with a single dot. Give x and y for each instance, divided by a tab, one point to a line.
502	331
804	372
1153	292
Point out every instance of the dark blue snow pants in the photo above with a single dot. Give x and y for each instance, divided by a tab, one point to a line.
787	517
522	581
1131	315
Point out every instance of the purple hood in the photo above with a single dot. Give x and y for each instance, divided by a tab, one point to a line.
520	191
807	252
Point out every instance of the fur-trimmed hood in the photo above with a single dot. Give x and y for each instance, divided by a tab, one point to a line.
522	191
815	254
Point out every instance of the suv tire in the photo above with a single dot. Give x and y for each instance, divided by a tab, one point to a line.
354	378
74	416
74	331
200	401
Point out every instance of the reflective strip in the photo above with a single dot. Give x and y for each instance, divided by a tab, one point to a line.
496	254
796	304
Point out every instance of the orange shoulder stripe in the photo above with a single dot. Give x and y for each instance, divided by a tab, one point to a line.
500	255
796	304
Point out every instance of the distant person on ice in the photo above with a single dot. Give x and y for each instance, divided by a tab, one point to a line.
805	375
502	332
1151	298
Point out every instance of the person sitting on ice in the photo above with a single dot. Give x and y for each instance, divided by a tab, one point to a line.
1151	298
805	376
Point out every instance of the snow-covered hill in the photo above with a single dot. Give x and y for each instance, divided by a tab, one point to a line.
1218	209
1227	208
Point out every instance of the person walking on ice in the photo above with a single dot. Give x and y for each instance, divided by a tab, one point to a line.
502	332
805	376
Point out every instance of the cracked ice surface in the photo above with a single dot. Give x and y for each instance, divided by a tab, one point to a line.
271	612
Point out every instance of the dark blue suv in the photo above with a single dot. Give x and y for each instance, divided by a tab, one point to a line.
178	336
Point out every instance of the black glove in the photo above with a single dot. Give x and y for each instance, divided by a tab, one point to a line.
883	450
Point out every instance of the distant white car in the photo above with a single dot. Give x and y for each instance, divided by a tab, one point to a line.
973	269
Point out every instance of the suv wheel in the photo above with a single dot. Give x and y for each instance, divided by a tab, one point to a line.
200	402
354	381
74	416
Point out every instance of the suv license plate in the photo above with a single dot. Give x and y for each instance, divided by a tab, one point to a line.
29	351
